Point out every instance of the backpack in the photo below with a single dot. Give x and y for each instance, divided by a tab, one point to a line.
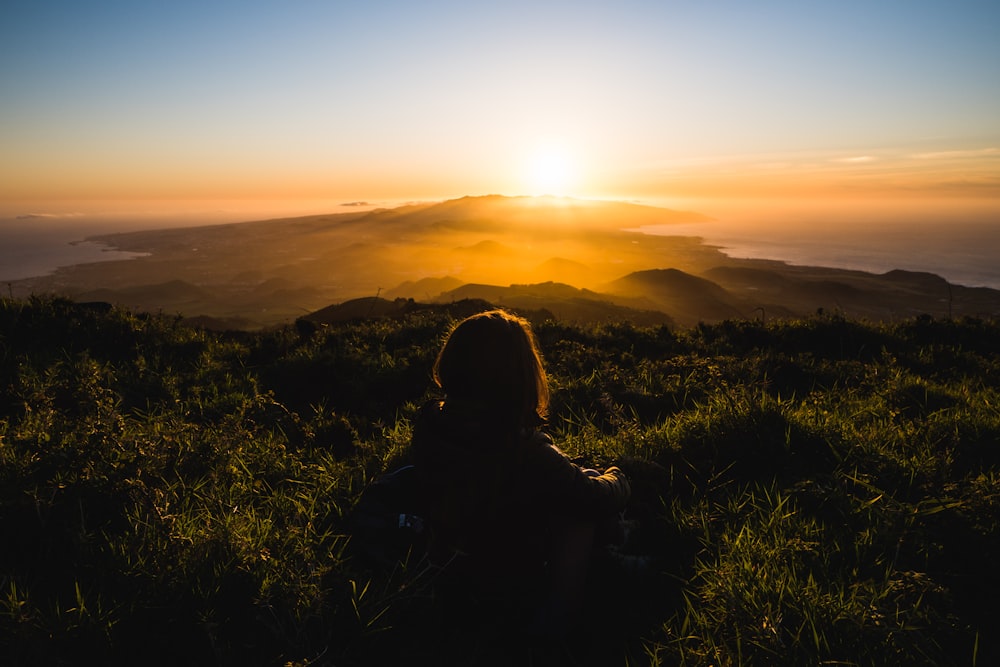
386	524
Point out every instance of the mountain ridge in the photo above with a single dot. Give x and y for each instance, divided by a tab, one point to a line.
272	272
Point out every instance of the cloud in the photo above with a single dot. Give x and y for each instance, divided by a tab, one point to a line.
42	216
856	160
951	155
970	186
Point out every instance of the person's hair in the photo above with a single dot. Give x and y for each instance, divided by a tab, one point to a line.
493	358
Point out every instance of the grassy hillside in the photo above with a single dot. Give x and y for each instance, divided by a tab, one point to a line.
820	491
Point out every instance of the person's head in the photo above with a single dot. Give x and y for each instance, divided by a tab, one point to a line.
493	358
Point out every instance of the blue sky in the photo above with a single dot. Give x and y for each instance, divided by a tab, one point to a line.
284	100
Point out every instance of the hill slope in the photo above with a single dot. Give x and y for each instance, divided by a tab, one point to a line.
233	272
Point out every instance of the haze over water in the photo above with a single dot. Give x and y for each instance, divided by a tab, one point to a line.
958	240
36	238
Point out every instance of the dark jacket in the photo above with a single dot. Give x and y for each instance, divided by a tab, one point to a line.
497	494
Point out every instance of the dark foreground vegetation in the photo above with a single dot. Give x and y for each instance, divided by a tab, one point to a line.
822	491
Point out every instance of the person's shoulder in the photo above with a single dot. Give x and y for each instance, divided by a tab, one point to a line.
538	438
540	445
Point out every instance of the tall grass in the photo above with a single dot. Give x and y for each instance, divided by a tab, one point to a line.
822	491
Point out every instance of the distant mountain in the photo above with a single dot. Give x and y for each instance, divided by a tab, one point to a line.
579	259
376	307
487	247
565	302
564	270
687	298
423	289
915	280
504	213
785	290
358	309
668	283
548	290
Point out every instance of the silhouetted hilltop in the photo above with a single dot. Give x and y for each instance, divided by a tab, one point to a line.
775	285
369	308
423	289
920	280
565	302
688	298
668	283
783	290
359	309
551	290
488	247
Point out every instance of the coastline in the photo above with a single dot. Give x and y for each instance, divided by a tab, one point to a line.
273	271
967	263
969	260
28	261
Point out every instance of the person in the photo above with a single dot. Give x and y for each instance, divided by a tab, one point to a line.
512	520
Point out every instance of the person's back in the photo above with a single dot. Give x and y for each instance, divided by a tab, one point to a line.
481	506
509	514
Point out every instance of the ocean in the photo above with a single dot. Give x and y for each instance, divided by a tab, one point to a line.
27	251
37	243
958	242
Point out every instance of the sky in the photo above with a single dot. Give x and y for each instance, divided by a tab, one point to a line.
378	100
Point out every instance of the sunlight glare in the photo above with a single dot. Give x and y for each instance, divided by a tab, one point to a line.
550	171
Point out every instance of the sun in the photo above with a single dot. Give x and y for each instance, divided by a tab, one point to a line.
550	171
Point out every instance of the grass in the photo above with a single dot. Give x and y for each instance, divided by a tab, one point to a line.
821	491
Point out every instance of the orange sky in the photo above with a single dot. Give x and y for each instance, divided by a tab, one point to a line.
389	101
